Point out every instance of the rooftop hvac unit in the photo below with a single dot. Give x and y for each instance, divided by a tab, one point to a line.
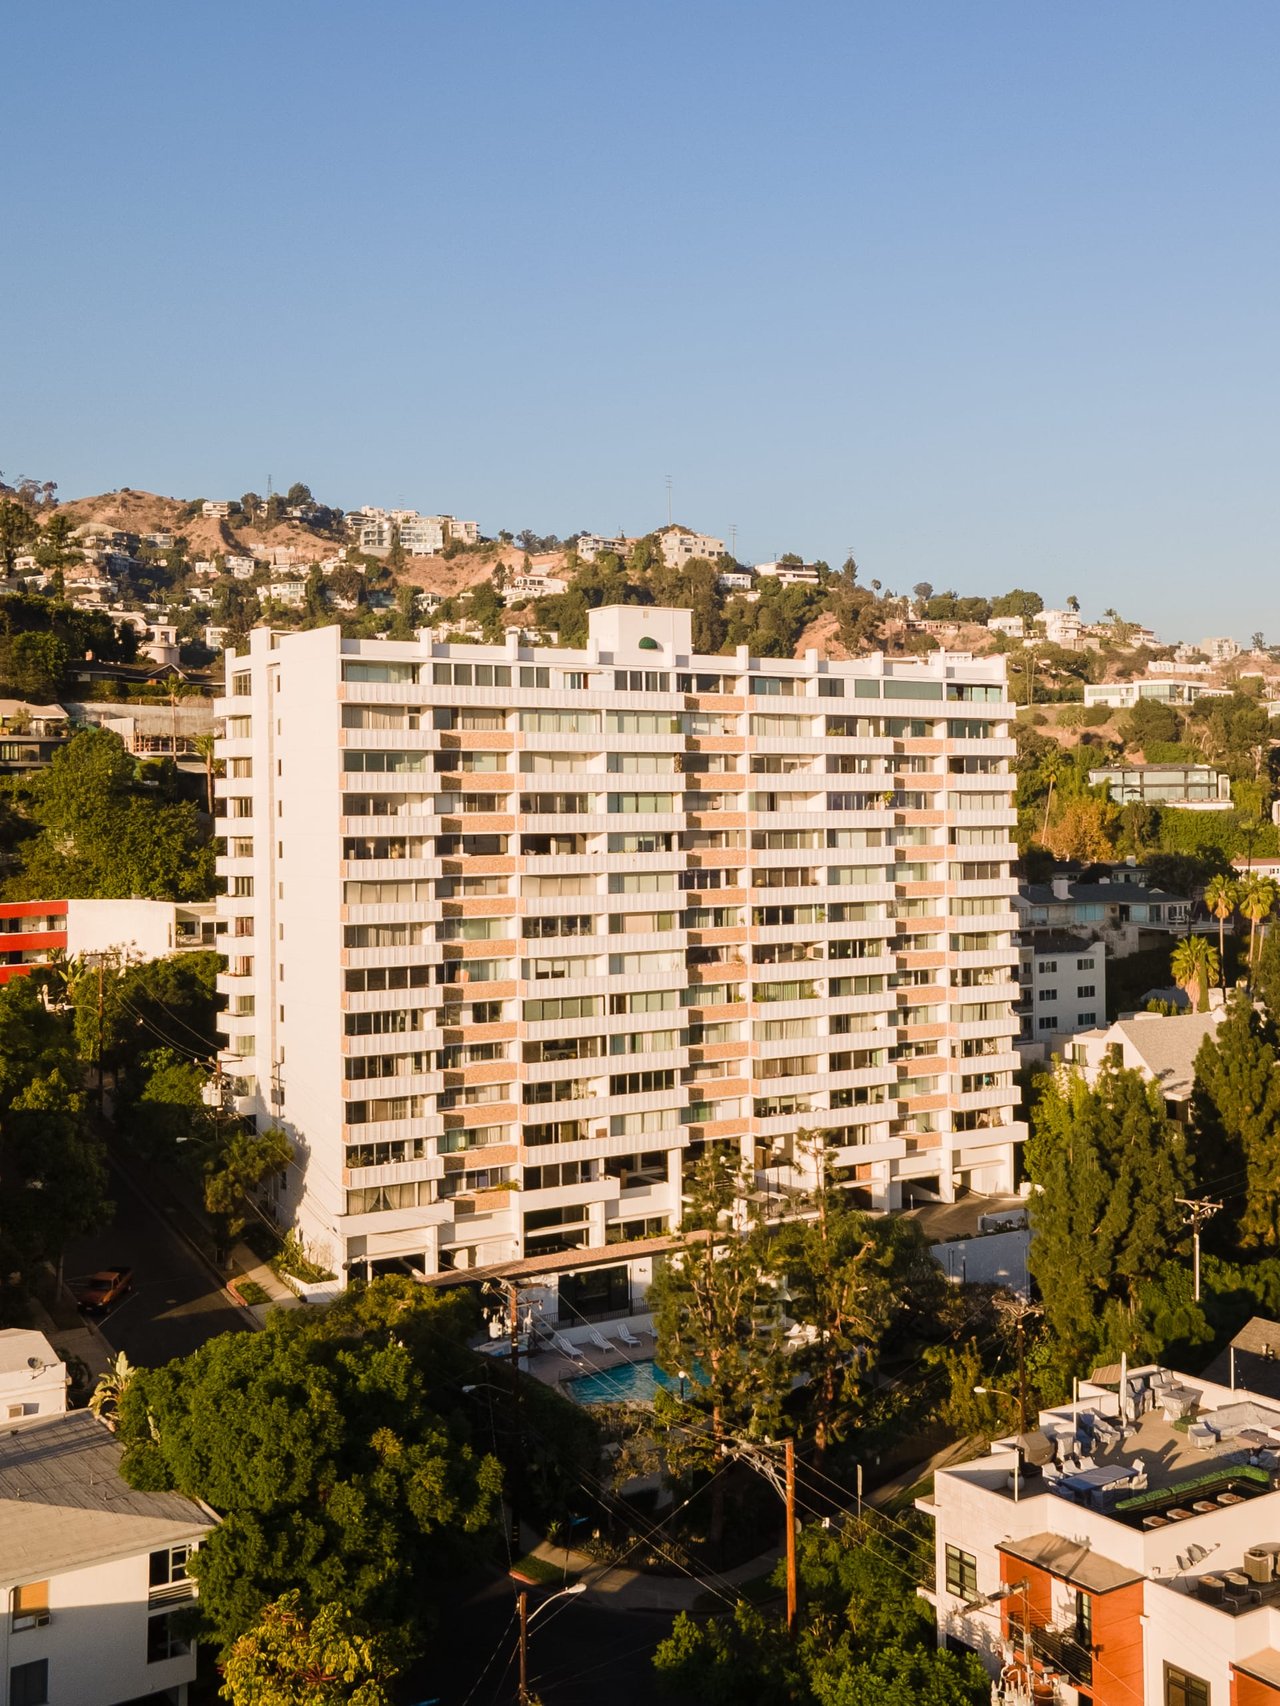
1260	1562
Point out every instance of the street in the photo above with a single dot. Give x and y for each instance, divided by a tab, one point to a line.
176	1303
580	1653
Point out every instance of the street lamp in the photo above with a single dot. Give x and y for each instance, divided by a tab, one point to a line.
526	1620
999	1392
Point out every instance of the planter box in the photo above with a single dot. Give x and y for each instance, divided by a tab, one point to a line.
314	1291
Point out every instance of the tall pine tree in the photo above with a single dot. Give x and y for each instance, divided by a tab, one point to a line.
1236	1111
1108	1165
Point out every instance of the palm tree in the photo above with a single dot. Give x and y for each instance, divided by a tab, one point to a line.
1054	765
1257	901
1222	896
204	746
111	1388
1195	967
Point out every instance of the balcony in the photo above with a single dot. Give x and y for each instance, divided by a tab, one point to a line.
1054	1649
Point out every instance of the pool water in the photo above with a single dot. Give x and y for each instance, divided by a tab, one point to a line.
630	1383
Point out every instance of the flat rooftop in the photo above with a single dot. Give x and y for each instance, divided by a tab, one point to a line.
1188	1449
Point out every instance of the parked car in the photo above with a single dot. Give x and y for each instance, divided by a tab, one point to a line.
101	1290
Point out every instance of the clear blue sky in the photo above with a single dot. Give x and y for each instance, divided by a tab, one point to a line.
987	291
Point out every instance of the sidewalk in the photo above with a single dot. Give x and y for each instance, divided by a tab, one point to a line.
250	1267
170	1196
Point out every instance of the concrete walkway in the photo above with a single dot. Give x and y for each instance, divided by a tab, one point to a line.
249	1267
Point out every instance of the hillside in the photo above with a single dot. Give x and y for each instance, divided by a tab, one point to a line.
147	512
447	576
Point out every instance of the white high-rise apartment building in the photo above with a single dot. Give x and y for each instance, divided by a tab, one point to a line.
513	932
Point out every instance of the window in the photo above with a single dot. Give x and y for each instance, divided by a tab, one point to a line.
30	1605
471	675
398	672
29	1683
962	1573
1048	965
1047	1022
1182	1689
163	1640
1047	995
641	681
168	1568
1088	1018
1084	989
1084	965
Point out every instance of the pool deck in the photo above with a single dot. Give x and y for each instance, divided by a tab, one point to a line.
553	1368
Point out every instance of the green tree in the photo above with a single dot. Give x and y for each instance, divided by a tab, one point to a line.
1257	902
54	549
34	665
838	1291
332	1445
1107	1165
18	531
170	1109
50	1148
865	1636
98	837
239	1165
1236	1111
1148	722
1222	896
716	1310
1195	967
290	1659
1018	603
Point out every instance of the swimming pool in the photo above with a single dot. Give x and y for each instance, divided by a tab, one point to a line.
629	1383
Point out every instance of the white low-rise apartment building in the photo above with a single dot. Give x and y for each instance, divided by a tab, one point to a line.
1064	989
788	574
1121	1550
1164	690
590	545
513	932
377	530
680	544
93	1573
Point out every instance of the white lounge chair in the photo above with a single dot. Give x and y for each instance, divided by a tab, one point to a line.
627	1337
598	1339
566	1348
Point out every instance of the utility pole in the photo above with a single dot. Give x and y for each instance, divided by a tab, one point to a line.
790	1460
1199	1209
515	1486
524	1648
517	1462
1020	1311
101	1019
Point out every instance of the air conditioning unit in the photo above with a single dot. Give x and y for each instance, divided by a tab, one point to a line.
1260	1562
